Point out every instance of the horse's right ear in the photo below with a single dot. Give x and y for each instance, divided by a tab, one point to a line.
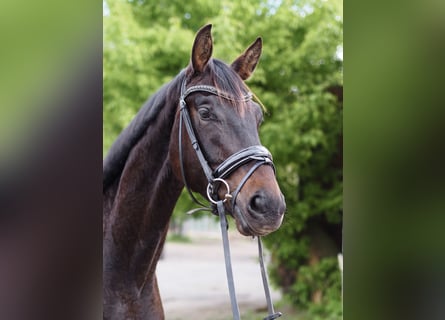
202	48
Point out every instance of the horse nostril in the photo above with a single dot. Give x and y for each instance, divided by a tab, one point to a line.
258	204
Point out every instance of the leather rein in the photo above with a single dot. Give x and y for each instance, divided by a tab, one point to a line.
257	154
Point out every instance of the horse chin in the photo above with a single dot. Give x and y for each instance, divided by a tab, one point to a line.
246	228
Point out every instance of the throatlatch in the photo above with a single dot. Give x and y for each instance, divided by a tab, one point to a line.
258	154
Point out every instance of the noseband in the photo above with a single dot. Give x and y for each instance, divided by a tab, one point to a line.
257	154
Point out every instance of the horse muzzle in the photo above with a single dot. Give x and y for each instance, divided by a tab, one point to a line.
260	215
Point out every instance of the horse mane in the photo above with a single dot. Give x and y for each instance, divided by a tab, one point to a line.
117	156
223	78
226	79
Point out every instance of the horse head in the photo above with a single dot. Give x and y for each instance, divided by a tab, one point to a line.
225	120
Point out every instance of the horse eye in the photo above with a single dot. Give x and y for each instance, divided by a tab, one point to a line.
204	113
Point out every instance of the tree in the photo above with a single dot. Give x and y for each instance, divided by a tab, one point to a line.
298	79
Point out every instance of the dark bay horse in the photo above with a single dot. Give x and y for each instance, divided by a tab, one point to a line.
144	173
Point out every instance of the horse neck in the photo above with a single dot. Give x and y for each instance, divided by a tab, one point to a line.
145	195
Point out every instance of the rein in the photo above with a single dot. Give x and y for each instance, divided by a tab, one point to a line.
259	154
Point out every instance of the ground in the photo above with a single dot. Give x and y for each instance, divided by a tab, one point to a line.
192	278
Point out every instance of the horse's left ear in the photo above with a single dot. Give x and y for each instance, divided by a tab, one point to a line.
202	48
245	64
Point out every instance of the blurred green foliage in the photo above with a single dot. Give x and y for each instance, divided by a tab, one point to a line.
299	80
42	49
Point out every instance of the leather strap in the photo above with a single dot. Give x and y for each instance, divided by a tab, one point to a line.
185	117
181	157
272	314
240	158
244	180
227	259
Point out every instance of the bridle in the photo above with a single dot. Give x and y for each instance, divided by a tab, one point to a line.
257	154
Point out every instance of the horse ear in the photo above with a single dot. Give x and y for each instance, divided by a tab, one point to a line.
202	48
245	64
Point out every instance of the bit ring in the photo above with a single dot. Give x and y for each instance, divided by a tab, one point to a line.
210	186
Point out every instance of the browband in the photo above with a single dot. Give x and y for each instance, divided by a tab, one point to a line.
212	90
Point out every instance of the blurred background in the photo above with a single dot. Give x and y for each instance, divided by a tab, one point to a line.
300	81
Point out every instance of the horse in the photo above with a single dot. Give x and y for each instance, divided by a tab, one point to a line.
181	137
